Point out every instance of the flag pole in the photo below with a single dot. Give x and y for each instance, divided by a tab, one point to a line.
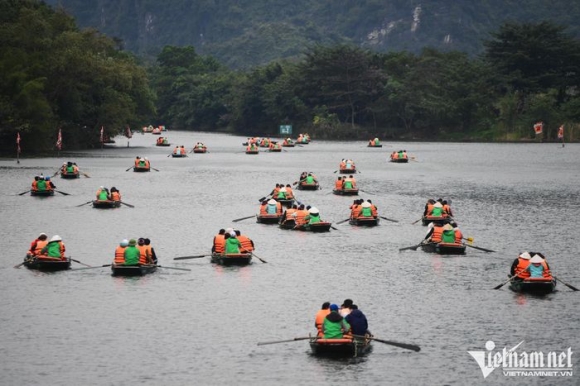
18	147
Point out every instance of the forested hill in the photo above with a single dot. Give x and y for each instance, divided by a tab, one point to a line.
244	33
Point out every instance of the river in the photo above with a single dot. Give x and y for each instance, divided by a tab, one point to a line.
202	327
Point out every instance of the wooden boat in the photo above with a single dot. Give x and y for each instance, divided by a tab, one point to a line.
44	263
106	204
364	221
444	248
346	192
345	347
268	218
304	186
535	286
288	144
275	149
288	224
425	220
231	258
69	176
200	150
156	131
132	270
162	144
348	171
178	155
400	160
255	151
369	145
42	193
141	169
322	226
287	203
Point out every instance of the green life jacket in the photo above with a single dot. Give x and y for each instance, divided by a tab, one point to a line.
103	195
233	245
314	218
142	163
377	142
400	154
70	169
348	184
366	212
448	236
333	330
282	195
53	249
41	185
132	255
309	180
437	212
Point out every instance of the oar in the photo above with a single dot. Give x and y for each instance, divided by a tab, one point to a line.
76	261
21	264
283	341
189	257
414	247
88	202
26	191
130	168
333	227
388	219
243	218
85	174
263	198
480	248
415	222
401	345
342	222
180	269
54	175
257	257
364	191
98	266
154	168
129	205
63	193
504	283
566	284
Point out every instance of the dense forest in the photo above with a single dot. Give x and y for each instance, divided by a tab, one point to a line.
55	75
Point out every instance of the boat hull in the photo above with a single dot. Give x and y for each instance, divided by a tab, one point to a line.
70	176
132	270
345	192
304	186
347	171
533	286
288	224
200	151
374	145
288	145
444	248
275	150
141	169
42	193
106	204
252	151
178	155
231	259
268	219
340	347
316	227
163	144
364	221
426	220
400	160
47	264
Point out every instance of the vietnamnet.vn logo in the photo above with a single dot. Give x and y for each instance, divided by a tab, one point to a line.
525	364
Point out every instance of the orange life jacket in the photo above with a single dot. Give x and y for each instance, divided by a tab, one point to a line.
34	185
246	243
182	151
338	184
374	210
546	273
119	255
116	196
429	209
521	270
136	161
278	208
289	213
447	209
219	243
319	319
356	211
300	216
289	193
143	254
39	245
458	236
437	234
263	211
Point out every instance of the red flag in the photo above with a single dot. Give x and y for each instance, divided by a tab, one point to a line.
59	140
102	134
18	142
561	132
538	127
128	132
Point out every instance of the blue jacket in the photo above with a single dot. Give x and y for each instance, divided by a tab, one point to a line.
358	322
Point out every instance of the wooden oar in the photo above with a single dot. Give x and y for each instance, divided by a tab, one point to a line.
55	174
76	261
283	341
26	191
415	222
364	191
243	218
414	247
180	269
504	283
98	266
21	264
264	198
129	205
256	256
333	227
566	284
154	168
130	168
397	344
63	193
388	219
88	202
342	222
85	174
480	248
189	257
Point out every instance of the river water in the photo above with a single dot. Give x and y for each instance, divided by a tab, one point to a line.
202	327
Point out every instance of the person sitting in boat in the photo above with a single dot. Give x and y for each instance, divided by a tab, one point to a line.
348	183
300	215
131	253
147	163
320	316
142	163
247	244
137	159
289	192
219	242
55	248
447	208
428	207
538	268
309	180
273	207
374	209
144	252
103	194
159	140
120	252
287	141
345	307
405	154
342	164
313	216
338	184
282	194
252	147
199	145
115	194
233	245
176	150
151	250
520	265
334	326
435	234
437	210
349	164
274	145
182	150
275	191
366	210
448	235
357	321
355	208
49	184
458	233
289	213
36	245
